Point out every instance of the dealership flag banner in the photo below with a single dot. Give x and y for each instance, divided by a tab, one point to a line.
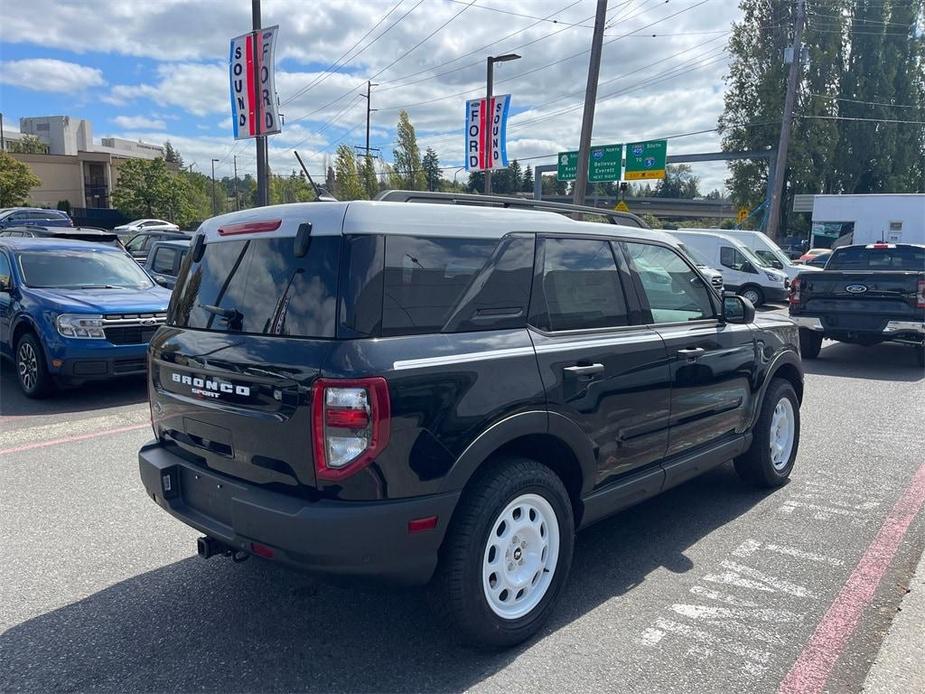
486	133
251	69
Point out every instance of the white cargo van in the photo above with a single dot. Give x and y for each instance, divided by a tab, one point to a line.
767	250
743	272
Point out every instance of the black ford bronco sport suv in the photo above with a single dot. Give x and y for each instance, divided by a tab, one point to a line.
445	393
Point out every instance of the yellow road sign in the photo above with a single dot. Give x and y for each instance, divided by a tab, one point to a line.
622	207
742	215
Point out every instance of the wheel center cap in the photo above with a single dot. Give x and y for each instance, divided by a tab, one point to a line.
518	552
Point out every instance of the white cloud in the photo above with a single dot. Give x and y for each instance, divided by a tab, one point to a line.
48	75
139	122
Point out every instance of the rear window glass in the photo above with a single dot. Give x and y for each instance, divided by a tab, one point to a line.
425	278
901	258
259	286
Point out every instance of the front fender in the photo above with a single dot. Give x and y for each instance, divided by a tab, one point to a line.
787	358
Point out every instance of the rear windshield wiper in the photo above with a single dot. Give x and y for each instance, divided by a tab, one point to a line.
232	316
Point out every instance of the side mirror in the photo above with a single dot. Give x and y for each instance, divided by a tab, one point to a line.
737	309
777	264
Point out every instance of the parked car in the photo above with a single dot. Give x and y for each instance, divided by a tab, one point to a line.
133	228
743	272
766	250
866	295
163	261
74	233
388	390
713	275
140	244
28	216
72	311
812	253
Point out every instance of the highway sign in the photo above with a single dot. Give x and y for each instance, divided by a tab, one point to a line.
567	166
646	160
742	214
605	164
622	207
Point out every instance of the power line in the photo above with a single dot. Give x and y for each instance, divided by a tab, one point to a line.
525	16
865	120
858	101
340	60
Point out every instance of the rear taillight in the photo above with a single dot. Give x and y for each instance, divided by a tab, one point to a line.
920	295
795	291
350	424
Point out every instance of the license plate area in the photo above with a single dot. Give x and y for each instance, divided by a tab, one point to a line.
206	494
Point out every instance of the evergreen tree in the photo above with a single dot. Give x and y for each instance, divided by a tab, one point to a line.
368	174
431	166
171	155
329	181
679	182
407	157
526	185
348	185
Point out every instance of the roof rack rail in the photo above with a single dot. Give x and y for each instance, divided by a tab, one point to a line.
611	216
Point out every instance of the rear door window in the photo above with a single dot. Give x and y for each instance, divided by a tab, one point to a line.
165	260
258	286
581	285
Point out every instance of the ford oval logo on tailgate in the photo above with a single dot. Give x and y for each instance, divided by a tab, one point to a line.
856	288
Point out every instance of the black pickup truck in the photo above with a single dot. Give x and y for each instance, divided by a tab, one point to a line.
866	295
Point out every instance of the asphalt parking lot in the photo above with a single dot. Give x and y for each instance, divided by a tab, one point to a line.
712	587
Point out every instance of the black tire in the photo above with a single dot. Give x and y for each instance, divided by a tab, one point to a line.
751	290
756	465
31	370
810	343
456	592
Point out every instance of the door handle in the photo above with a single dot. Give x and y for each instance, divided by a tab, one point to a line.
691	352
584	370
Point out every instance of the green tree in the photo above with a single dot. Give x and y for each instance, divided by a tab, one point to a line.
347	182
147	188
526	184
16	180
369	177
431	167
679	182
171	155
406	157
28	144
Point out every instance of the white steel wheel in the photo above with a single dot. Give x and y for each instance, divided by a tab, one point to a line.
783	429
520	556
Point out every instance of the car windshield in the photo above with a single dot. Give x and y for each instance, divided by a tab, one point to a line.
747	252
698	259
82	269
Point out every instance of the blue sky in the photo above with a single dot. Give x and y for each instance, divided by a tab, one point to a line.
158	70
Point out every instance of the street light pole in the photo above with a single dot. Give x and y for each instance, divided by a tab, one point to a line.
490	82
214	208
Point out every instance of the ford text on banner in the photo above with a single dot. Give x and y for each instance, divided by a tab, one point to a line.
251	70
486	133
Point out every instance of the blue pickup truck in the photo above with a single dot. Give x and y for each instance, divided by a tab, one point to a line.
72	311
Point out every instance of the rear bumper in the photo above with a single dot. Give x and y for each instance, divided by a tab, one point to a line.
366	539
899	330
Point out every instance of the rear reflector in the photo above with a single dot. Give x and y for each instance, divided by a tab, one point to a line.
249	227
419	525
346	418
261	550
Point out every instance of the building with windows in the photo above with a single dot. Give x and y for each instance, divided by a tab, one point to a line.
74	168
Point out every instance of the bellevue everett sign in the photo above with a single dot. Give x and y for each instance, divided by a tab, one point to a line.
605	164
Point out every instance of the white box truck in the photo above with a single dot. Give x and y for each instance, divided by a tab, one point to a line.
864	219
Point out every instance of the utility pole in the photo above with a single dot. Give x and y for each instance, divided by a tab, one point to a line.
489	84
214	208
587	119
262	164
2	139
780	167
369	111
236	205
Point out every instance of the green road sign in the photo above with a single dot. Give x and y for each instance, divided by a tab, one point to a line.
646	160
568	166
605	163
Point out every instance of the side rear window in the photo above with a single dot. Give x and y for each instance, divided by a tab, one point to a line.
425	278
259	286
581	285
